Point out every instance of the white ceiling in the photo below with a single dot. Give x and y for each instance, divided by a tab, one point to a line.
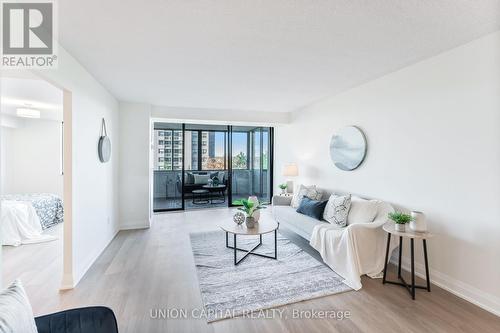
268	55
30	93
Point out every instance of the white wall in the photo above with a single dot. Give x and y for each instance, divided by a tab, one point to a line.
94	185
135	147
433	133
134	165
31	158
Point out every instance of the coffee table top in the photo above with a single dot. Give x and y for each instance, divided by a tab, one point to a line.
214	186
265	226
199	191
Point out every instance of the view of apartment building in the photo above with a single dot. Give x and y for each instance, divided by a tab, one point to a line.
168	149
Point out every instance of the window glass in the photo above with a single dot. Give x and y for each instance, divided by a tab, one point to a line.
265	149
239	150
256	150
213	150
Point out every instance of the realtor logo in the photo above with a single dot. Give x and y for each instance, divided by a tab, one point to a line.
28	34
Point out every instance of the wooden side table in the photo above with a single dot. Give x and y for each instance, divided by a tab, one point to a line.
390	229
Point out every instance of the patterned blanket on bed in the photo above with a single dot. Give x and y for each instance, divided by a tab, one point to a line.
48	207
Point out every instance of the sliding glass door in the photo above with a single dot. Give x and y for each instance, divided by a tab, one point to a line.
205	166
206	180
168	164
251	173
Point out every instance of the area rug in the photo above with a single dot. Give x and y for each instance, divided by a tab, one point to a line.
257	283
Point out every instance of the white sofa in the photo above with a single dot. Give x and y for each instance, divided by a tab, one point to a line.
351	251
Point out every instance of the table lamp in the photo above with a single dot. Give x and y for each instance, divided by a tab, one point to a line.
290	170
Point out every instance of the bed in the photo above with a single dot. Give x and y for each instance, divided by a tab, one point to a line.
24	217
48	207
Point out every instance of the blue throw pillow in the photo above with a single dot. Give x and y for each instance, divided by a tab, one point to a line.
312	208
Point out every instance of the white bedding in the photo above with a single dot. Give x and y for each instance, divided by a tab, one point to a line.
355	250
20	224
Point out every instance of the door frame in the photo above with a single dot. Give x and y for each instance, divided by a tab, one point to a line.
228	138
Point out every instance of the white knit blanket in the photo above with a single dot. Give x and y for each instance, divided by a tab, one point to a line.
354	250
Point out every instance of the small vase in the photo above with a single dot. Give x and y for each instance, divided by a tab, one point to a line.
250	222
283	191
399	227
256	214
418	224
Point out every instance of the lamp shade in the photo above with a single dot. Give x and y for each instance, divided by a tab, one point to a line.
290	170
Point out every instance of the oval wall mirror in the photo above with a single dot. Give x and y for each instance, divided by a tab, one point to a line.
104	145
348	148
104	149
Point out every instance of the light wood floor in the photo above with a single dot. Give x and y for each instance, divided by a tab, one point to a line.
154	268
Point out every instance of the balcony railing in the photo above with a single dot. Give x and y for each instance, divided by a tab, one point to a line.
246	182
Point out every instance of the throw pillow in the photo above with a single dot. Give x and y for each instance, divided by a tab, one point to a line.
221	176
362	210
201	179
16	314
310	192
312	208
189	178
337	209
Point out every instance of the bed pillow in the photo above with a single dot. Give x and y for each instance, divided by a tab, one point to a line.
16	314
201	179
337	209
362	210
310	192
312	208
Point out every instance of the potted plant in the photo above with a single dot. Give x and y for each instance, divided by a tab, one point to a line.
249	208
283	188
400	219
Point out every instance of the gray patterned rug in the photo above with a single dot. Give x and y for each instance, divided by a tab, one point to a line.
257	283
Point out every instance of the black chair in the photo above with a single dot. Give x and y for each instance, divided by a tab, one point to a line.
95	319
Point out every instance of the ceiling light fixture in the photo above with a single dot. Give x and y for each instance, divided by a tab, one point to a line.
27	113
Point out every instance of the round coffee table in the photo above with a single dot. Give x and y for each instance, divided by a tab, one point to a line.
202	197
265	226
219	190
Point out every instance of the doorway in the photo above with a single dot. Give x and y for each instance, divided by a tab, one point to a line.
200	166
35	200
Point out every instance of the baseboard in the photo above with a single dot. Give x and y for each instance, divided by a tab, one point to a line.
70	281
135	225
463	290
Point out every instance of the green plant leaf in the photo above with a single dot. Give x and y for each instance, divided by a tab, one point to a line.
400	217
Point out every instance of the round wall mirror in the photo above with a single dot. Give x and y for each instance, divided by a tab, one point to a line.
348	148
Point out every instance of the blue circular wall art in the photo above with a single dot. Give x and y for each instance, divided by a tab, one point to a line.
348	148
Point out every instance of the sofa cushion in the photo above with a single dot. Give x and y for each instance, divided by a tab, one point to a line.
362	210
16	314
221	175
201	179
312	208
337	209
301	224
305	191
94	319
